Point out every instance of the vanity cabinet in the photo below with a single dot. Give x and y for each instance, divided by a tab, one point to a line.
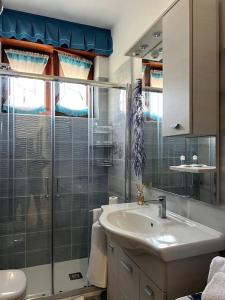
191	68
112	288
123	282
146	277
126	281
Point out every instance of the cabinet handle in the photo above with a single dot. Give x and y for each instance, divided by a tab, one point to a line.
175	126
127	267
148	291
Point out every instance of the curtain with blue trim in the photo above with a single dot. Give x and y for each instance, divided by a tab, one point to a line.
156	78
74	66
26	96
28	62
73	97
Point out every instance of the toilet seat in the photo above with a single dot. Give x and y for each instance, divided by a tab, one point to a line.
13	285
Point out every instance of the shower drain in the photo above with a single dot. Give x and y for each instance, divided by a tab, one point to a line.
75	276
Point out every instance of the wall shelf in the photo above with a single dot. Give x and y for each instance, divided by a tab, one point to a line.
193	169
103	163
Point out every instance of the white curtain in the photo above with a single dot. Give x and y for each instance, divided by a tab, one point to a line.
74	66
156	78
28	62
26	96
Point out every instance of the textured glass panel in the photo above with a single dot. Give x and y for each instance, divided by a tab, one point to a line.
25	185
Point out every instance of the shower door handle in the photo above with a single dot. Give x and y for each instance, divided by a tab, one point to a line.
46	187
57	187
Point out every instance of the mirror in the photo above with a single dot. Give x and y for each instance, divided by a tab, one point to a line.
165	154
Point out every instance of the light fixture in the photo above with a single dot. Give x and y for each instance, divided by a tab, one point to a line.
157	34
155	54
1	7
143	47
160	50
135	54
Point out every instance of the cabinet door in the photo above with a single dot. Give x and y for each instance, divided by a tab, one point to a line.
148	290
128	278
112	288
177	64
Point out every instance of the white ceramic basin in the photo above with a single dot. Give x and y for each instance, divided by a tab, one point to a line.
140	228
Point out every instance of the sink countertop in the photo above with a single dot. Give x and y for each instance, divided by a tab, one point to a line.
139	228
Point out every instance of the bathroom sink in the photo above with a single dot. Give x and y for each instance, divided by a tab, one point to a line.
140	229
133	221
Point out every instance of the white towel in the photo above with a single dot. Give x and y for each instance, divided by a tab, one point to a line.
97	268
217	265
96	214
215	289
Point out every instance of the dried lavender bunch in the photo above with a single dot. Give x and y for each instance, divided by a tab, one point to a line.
136	124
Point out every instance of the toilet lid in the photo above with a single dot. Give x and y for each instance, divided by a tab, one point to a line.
12	284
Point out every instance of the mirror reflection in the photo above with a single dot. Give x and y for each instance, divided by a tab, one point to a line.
183	165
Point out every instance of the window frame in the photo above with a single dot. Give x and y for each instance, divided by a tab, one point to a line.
53	66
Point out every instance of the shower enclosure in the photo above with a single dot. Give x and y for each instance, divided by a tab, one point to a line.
54	170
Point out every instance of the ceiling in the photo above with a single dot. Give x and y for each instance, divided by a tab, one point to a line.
101	13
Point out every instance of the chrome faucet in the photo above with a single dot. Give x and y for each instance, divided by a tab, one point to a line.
161	200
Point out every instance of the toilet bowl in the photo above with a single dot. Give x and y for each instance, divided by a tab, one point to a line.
13	285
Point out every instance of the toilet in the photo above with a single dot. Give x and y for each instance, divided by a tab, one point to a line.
13	285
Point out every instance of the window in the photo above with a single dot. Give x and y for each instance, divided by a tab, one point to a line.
73	97
25	96
153	106
72	100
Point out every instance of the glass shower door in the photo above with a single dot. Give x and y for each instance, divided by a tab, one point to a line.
89	158
26	158
71	188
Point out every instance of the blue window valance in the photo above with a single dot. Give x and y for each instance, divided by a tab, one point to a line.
33	28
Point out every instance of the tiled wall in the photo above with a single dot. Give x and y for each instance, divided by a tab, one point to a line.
25	211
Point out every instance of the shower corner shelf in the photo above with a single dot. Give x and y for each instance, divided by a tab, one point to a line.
102	129
103	144
103	163
193	169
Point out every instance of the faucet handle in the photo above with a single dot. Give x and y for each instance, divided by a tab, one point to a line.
161	198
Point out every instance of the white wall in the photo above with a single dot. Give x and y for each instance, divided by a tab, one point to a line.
139	17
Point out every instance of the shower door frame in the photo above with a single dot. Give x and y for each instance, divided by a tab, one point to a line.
89	83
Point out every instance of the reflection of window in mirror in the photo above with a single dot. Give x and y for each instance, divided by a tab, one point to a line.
152	73
153	106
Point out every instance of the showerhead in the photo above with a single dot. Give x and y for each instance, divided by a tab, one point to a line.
1	7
